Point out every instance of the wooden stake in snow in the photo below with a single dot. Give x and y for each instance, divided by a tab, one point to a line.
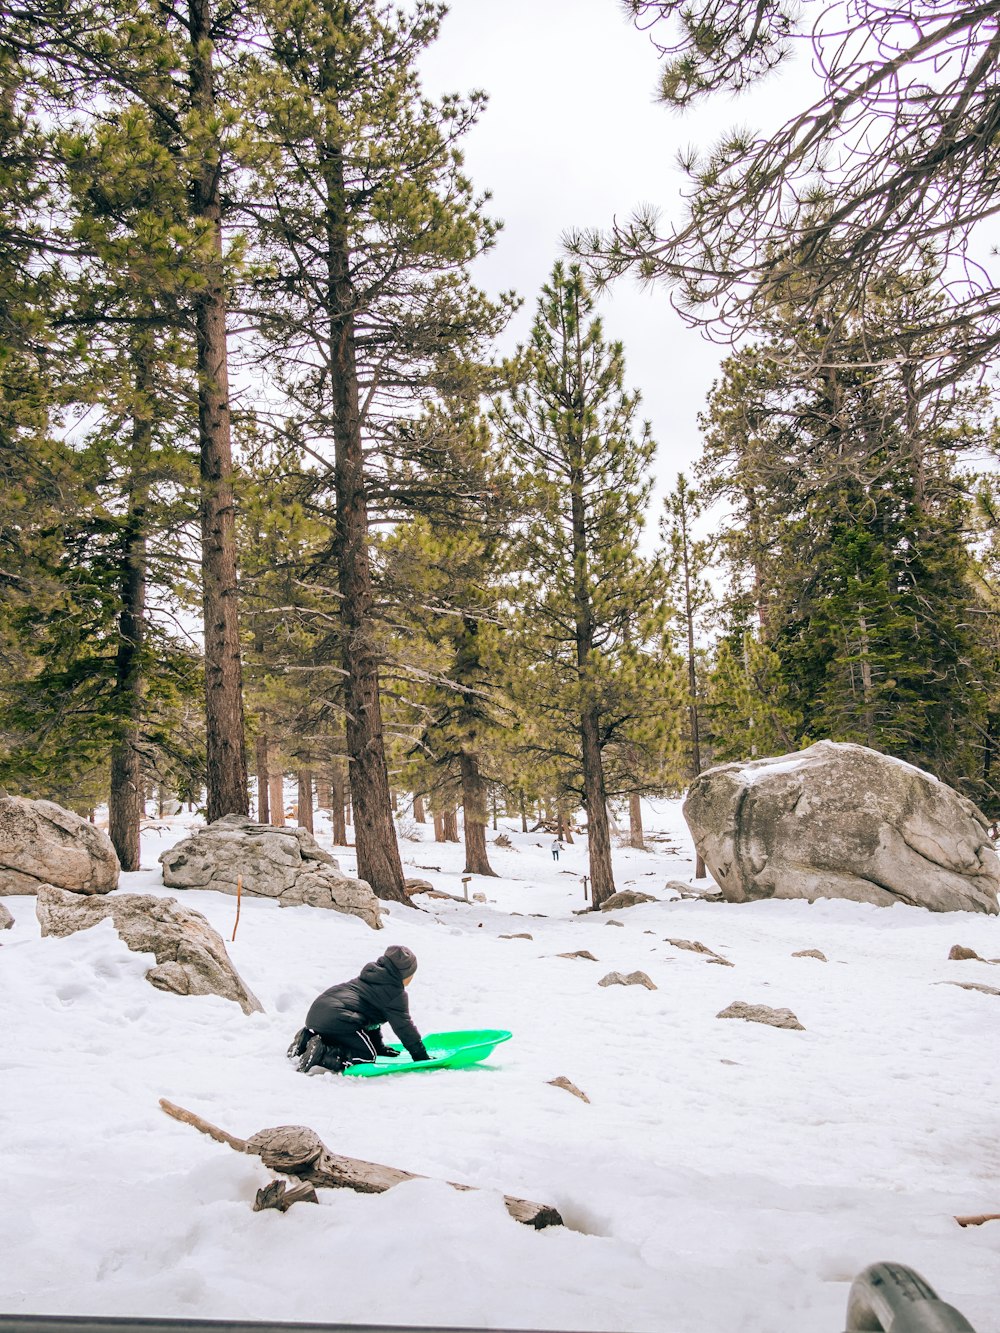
239	895
299	1152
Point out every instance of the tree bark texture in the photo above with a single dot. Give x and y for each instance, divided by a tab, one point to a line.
418	810
474	807
126	799
276	790
449	821
305	800
263	779
635	822
338	805
374	832
226	765
438	827
324	795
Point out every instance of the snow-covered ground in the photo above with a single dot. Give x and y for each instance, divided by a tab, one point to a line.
726	1177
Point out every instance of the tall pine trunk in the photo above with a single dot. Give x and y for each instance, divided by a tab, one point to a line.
474	807
338	803
418	810
126	800
304	805
635	836
226	765
276	788
263	779
374	831
602	880
449	824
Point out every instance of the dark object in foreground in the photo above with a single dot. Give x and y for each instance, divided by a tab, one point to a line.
297	1151
896	1299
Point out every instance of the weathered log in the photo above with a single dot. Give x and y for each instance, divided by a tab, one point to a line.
280	1195
297	1151
977	1219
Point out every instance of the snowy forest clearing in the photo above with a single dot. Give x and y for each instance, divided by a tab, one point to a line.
725	1175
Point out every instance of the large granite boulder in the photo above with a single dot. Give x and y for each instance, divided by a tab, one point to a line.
41	843
283	863
191	958
842	821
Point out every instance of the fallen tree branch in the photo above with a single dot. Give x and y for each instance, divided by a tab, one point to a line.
977	1219
296	1150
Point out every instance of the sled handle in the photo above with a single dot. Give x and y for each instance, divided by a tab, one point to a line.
891	1298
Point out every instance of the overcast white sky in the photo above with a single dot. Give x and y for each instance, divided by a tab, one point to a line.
571	137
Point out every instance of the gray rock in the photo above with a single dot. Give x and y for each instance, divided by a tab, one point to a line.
286	864
41	843
762	1013
191	958
578	953
6	920
626	898
627	979
842	821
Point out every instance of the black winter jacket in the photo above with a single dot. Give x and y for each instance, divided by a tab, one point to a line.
377	996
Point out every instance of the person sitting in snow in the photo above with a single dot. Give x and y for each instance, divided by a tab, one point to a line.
344	1024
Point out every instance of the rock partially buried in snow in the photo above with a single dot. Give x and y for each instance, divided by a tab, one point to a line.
627	979
190	955
696	946
6	920
626	898
286	864
811	953
972	985
563	1082
959	953
842	821
41	843
762	1013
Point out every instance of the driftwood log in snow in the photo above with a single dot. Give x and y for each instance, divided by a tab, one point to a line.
977	1219
296	1150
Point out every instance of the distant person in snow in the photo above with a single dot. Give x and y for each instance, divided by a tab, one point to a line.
344	1024
556	849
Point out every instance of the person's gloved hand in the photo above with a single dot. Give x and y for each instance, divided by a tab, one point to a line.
420	1053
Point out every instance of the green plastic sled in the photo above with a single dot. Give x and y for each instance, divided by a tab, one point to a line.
448	1050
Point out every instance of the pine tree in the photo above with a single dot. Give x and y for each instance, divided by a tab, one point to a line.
367	223
586	597
688	559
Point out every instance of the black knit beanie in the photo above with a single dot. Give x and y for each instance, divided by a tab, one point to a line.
404	960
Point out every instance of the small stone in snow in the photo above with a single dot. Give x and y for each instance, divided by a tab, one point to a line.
522	936
761	1013
563	1082
627	979
811	953
579	953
